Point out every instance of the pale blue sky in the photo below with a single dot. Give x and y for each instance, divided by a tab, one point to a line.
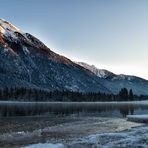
111	34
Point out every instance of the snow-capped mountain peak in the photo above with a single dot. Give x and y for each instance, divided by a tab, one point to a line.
8	26
8	30
10	33
102	73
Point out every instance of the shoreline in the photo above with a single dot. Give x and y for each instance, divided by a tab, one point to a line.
67	132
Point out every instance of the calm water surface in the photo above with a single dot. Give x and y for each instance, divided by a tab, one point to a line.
118	109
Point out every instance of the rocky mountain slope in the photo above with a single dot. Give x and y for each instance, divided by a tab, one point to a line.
115	82
26	62
102	73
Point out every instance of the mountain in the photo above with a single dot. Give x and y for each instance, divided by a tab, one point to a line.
102	73
115	82
27	62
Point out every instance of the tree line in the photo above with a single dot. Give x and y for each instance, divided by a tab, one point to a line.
32	94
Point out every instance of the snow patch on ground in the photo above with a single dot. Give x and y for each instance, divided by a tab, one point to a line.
145	116
11	137
26	51
138	118
134	137
45	145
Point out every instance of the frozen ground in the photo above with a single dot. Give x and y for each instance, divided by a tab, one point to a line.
46	145
132	138
79	133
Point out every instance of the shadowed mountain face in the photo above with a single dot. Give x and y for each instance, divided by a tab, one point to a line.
26	62
115	82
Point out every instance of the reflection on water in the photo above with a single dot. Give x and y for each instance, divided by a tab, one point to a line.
120	109
124	111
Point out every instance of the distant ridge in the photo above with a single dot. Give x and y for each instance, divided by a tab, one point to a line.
115	82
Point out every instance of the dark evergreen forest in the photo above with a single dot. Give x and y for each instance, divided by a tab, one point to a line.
25	94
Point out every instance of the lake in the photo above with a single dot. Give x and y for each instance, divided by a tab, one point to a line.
118	109
71	124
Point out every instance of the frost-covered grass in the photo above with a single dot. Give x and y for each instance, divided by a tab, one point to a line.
132	138
68	133
45	145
